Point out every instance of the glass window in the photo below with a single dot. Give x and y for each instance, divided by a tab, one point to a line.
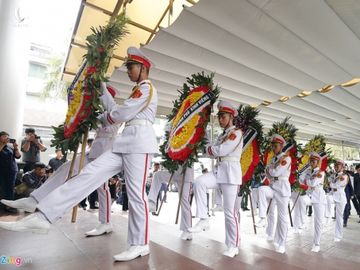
37	70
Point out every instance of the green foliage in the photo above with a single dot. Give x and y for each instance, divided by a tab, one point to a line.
100	45
283	128
54	86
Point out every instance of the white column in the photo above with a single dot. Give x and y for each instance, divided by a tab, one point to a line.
14	50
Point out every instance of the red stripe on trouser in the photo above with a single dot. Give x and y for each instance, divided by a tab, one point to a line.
189	196
146	210
237	229
107	204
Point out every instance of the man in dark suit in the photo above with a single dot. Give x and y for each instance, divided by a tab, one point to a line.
357	185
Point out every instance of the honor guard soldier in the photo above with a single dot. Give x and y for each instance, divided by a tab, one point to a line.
131	152
104	139
313	177
338	182
227	176
278	172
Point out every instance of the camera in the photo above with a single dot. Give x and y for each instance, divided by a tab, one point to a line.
37	137
12	140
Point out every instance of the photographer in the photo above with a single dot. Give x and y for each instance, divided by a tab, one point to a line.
8	167
31	146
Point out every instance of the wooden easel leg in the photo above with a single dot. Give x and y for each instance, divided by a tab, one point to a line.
81	165
252	213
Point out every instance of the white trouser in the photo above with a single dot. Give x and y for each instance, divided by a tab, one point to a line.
254	198
339	213
59	177
281	230
329	212
300	209
55	180
163	177
229	192
94	175
265	193
319	209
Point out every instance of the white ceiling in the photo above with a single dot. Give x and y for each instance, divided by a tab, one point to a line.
262	50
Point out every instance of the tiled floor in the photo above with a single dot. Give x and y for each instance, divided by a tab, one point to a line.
66	247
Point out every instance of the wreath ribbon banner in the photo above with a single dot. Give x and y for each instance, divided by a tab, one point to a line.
192	110
76	79
249	136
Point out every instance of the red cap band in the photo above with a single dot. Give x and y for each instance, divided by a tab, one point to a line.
139	59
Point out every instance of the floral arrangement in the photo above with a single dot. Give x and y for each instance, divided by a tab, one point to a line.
83	93
250	157
189	119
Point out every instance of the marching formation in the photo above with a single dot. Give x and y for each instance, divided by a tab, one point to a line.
282	178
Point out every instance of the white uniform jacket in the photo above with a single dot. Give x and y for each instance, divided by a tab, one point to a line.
315	180
227	150
338	182
103	141
138	112
278	172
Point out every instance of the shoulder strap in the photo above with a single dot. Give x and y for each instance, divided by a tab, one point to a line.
135	88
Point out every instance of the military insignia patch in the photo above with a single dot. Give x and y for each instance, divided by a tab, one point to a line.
232	136
318	175
136	94
283	163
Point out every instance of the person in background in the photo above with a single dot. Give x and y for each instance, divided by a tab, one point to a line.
57	161
337	196
357	184
9	151
31	146
35	178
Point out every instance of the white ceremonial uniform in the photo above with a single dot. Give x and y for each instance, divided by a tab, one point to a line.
102	142
227	177
338	182
302	201
130	152
163	177
278	172
315	180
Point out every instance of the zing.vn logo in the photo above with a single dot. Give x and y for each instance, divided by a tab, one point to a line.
20	18
12	260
